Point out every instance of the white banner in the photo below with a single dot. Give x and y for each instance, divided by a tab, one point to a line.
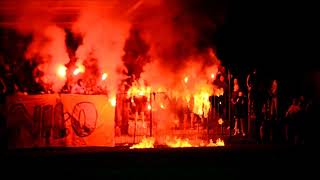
64	120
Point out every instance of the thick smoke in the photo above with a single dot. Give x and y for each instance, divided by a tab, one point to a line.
182	63
47	48
172	29
174	32
104	32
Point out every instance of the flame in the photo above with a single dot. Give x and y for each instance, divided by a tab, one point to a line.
201	102
62	71
220	121
80	69
137	90
149	107
219	92
177	142
145	143
113	101
104	76
186	79
219	142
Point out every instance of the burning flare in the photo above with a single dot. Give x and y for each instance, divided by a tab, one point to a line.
104	76
62	71
212	76
113	101
80	69
186	79
145	143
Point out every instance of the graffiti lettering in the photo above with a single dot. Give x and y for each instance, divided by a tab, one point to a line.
84	118
46	121
36	121
59	130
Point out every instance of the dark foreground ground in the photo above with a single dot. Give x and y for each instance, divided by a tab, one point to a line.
229	162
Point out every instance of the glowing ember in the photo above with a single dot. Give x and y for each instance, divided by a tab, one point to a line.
162	106
80	69
145	143
220	121
62	71
113	101
149	107
104	76
186	79
219	142
177	142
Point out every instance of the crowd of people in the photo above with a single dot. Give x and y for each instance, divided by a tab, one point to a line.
12	84
257	110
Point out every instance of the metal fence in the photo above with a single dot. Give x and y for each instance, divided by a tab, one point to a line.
161	116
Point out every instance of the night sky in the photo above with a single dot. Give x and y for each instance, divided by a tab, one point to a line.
273	36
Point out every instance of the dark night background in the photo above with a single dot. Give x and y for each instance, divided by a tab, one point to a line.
272	36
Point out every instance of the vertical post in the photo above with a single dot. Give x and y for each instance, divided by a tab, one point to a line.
229	102
151	114
214	108
207	125
135	129
208	128
249	114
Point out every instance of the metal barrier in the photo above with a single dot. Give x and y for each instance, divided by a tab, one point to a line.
161	116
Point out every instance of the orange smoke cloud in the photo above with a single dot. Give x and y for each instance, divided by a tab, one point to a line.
104	33
49	50
169	27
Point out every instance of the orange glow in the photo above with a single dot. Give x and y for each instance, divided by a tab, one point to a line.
149	107
80	69
61	71
219	142
202	104
220	121
212	76
113	101
104	76
180	143
145	143
162	106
